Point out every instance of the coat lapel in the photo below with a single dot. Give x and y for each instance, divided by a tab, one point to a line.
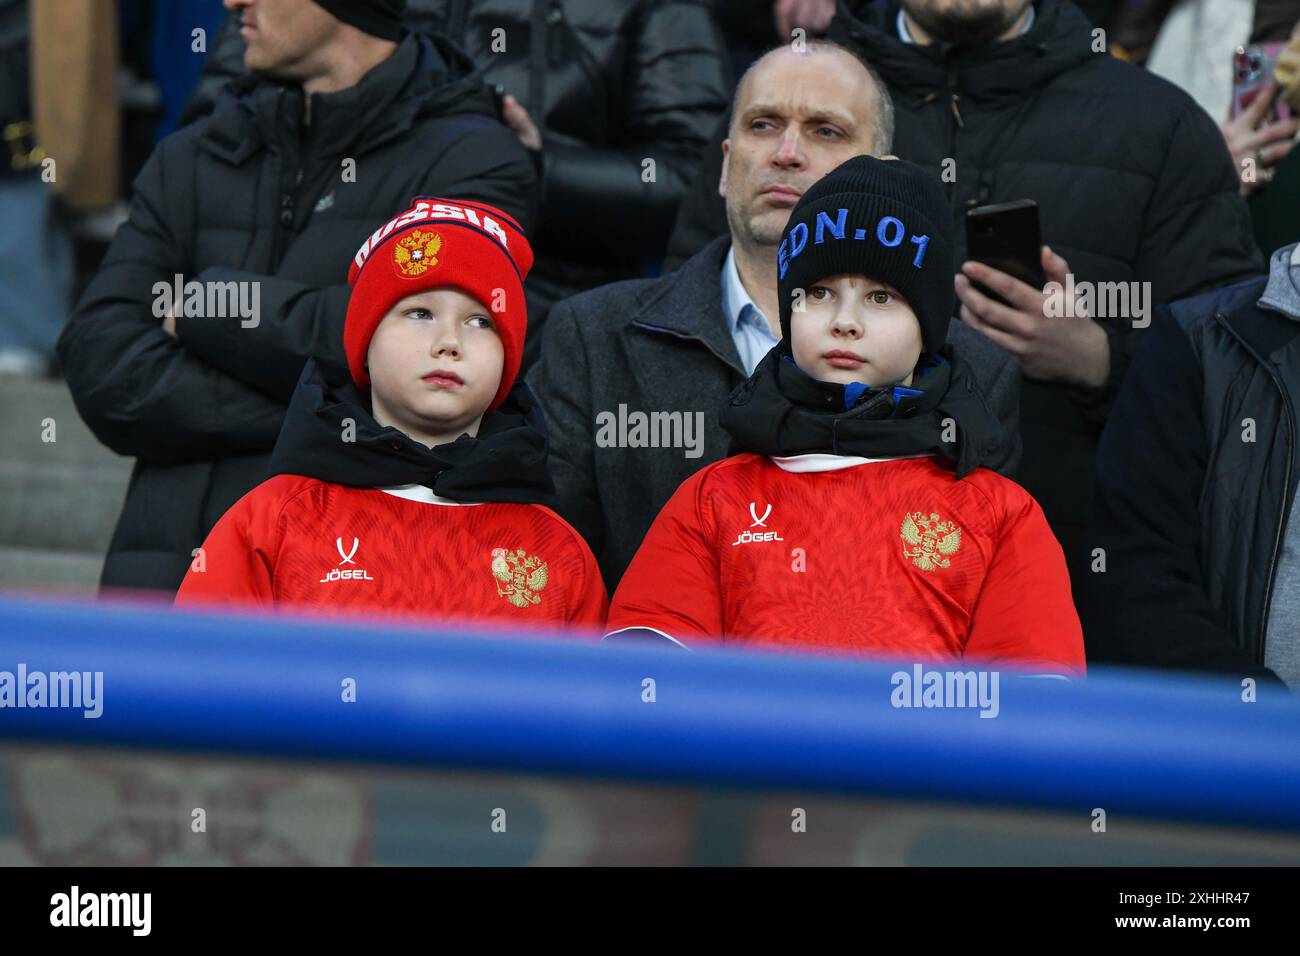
690	305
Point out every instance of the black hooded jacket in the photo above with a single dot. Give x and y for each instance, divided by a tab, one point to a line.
254	195
608	83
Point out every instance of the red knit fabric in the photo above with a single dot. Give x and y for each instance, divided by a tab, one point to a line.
440	243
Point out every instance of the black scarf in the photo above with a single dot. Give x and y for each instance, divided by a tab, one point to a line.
506	462
780	411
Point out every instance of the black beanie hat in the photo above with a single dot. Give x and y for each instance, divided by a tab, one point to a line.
380	18
886	219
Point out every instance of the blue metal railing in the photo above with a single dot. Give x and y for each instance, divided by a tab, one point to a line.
1133	743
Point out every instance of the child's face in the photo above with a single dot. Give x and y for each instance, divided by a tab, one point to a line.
855	329
435	364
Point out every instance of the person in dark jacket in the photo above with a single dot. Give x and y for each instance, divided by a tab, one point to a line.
264	200
1132	180
678	345
1198	545
594	90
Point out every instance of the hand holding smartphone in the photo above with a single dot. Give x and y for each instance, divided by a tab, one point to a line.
1253	69
1005	236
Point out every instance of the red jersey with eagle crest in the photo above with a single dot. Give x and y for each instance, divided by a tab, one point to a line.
825	553
305	544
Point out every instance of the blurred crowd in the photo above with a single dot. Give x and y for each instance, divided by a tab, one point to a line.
652	152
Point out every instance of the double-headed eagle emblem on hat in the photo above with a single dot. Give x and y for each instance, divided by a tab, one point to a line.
415	252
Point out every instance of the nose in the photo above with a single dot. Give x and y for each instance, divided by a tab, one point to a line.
844	324
446	343
789	152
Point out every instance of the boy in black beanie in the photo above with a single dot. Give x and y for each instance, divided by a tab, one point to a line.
856	516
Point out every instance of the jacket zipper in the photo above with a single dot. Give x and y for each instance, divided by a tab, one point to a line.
283	230
457	21
537	61
585	60
1286	486
954	109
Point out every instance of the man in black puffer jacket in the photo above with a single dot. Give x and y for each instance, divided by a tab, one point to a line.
1196	489
602	85
276	202
1132	180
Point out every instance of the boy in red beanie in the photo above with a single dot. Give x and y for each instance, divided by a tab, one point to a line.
414	481
858	518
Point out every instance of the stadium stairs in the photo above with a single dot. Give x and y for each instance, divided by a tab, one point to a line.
60	499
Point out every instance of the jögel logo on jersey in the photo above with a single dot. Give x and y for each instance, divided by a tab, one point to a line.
346	574
749	537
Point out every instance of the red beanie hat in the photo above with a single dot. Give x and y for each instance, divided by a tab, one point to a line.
438	242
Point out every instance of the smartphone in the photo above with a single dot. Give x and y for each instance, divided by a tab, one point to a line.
1252	68
1005	236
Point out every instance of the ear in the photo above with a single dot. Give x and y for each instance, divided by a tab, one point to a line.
726	160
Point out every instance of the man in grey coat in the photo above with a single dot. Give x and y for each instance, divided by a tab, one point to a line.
632	375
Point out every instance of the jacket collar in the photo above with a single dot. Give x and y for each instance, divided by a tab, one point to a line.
1282	292
818	462
427	74
1059	39
688	304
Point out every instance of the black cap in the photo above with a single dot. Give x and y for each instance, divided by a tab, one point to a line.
885	219
381	18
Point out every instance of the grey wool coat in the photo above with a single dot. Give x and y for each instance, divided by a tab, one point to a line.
613	356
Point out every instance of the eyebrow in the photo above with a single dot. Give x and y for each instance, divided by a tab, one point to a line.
820	116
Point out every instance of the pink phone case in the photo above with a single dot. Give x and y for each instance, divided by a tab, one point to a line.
1252	68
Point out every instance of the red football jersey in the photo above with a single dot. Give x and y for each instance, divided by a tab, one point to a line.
838	554
308	544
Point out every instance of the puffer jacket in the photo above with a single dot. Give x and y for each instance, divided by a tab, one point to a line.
253	196
609	84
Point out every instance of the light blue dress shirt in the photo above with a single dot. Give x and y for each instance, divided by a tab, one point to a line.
747	325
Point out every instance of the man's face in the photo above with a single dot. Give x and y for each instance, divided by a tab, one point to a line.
855	329
799	116
971	23
282	37
435	363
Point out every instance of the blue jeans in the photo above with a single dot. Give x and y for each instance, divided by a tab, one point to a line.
36	265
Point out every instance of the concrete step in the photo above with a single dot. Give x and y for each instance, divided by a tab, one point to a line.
36	411
59	506
59	499
42	571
